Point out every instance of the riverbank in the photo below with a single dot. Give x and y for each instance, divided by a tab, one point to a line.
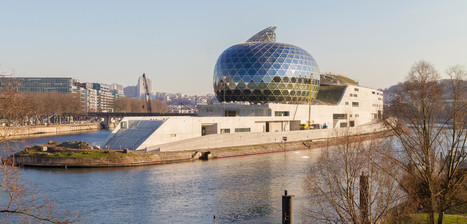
82	155
50	130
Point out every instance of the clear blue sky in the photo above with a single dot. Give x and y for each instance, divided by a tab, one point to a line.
176	43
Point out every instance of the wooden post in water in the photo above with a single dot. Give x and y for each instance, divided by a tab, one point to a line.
287	208
364	199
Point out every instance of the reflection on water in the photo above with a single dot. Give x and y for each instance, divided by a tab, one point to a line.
240	190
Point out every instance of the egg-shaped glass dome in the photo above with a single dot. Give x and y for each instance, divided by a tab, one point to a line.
262	72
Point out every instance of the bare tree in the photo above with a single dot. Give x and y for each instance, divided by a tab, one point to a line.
453	179
430	126
138	106
20	202
333	183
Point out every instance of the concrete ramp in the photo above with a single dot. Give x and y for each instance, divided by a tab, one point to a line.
132	134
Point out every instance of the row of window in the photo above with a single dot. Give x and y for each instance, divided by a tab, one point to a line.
344	124
377	93
227	130
343	116
354	104
281	113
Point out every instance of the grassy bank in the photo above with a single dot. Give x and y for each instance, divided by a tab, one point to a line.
422	218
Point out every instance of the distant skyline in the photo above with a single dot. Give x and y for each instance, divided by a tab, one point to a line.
177	43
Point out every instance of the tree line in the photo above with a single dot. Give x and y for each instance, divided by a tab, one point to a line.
55	107
40	108
420	169
139	106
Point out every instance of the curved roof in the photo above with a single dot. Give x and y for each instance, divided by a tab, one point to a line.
260	72
266	35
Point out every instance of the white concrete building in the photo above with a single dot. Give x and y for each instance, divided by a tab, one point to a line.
224	125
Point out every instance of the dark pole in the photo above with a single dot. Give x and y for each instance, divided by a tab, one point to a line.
287	208
364	199
225	89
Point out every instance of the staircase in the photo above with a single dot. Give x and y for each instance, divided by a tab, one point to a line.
136	133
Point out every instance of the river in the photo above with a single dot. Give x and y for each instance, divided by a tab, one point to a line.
235	190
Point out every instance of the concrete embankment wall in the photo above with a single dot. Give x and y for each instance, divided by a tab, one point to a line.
37	131
255	138
134	159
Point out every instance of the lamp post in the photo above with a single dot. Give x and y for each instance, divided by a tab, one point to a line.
225	89
309	104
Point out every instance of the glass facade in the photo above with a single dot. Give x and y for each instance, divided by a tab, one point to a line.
261	72
43	84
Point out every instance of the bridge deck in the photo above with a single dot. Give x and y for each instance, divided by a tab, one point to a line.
129	114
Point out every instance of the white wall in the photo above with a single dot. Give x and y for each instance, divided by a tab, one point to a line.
181	128
243	139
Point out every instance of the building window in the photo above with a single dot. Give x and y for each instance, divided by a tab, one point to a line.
242	129
355	104
339	116
225	131
231	113
281	113
124	125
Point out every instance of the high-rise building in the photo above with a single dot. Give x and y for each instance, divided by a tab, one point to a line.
141	92
116	86
130	91
117	93
138	91
105	99
89	97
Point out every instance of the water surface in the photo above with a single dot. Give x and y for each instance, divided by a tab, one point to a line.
235	190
